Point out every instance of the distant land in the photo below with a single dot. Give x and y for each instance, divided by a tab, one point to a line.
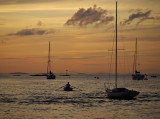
18	73
39	74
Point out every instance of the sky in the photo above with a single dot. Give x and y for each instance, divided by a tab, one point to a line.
82	35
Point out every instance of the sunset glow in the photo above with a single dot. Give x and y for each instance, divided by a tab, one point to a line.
81	34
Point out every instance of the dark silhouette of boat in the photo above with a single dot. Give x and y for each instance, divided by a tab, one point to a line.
50	74
119	93
68	87
136	74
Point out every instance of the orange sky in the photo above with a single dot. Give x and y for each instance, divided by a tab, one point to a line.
81	35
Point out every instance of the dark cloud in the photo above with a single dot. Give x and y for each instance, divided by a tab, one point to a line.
34	31
140	16
95	16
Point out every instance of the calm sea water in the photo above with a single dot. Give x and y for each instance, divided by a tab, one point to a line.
28	97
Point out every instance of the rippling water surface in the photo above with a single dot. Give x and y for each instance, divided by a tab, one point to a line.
28	97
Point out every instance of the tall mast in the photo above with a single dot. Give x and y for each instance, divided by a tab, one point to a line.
136	57
116	51
49	61
49	53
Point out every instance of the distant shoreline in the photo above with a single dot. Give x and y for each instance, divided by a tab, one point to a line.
18	73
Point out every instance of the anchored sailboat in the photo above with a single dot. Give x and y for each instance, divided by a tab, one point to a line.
119	93
136	74
50	74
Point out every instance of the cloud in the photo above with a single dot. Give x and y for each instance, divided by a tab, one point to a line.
140	16
95	16
33	31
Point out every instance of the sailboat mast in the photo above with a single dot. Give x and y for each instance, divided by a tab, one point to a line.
49	67
116	51
136	57
49	53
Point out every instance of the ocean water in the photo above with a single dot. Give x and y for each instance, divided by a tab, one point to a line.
29	97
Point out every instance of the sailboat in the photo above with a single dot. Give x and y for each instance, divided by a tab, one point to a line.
50	74
119	93
136	74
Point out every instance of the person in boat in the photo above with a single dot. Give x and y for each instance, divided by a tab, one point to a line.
50	72
68	85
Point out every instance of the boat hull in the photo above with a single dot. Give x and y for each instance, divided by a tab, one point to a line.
138	77
121	93
51	77
68	89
